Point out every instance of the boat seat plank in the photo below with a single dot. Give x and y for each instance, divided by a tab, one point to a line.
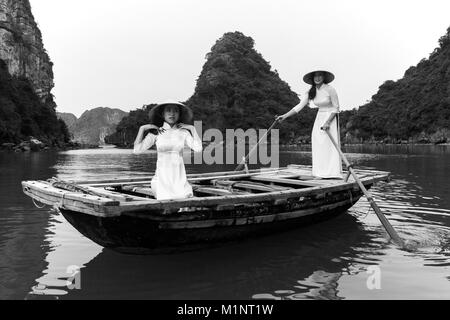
241	199
307	183
99	192
47	189
358	171
142	190
218	191
148	178
191	177
290	174
234	175
251	185
111	194
197	188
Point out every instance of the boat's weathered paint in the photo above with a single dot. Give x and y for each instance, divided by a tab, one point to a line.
138	232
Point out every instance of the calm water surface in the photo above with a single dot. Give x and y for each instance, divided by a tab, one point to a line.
329	260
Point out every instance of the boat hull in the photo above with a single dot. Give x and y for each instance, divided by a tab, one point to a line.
145	232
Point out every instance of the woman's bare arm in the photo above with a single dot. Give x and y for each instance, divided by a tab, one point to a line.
293	111
141	144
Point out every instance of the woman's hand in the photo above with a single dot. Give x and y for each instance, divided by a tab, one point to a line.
281	118
325	126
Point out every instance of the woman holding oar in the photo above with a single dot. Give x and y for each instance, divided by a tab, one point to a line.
170	122
326	162
326	151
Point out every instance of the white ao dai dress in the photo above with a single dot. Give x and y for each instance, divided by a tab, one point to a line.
169	181
326	161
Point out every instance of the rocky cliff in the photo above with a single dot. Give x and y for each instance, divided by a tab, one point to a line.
415	108
27	109
128	127
68	118
93	125
21	46
237	88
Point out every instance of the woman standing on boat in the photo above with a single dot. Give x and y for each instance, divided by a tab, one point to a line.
326	162
173	132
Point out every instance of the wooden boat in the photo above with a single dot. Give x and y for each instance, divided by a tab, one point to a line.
123	214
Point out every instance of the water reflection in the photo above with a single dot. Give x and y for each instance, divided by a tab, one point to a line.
324	261
232	270
22	226
67	250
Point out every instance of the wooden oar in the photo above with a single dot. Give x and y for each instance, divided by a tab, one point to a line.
384	221
245	159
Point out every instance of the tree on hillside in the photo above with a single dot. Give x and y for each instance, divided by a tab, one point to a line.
238	89
128	127
415	107
23	114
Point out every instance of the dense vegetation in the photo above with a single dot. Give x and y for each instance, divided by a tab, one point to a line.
414	108
128	127
236	89
22	114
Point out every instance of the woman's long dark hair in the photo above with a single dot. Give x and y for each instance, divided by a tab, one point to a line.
312	92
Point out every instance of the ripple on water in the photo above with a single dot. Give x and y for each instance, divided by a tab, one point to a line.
326	261
417	219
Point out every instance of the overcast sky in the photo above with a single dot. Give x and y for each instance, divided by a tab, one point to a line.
123	54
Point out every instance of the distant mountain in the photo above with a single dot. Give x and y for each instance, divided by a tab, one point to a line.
237	88
93	125
128	127
68	118
415	108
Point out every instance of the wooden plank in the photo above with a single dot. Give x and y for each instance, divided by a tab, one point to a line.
196	188
69	206
47	189
235	176
146	191
114	194
218	191
250	185
297	174
309	167
68	200
147	179
113	180
106	207
268	218
260	197
99	192
310	183
195	179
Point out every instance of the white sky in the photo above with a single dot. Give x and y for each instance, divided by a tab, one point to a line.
123	54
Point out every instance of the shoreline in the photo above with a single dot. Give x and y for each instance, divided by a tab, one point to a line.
373	144
24	147
34	145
